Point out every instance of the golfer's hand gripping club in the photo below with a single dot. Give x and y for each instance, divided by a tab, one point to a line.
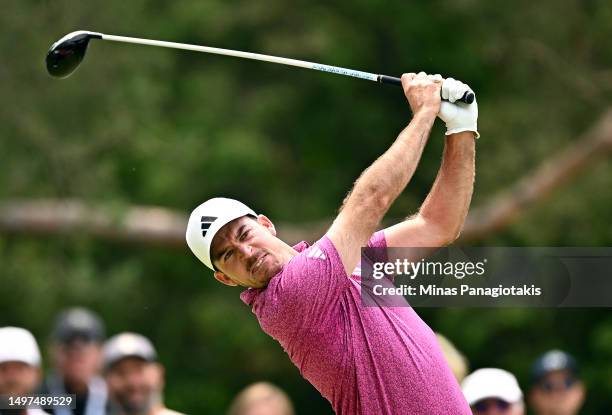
423	93
467	97
457	115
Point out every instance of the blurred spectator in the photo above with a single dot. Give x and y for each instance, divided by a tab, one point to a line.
134	377
556	388
19	366
455	359
76	351
261	398
493	391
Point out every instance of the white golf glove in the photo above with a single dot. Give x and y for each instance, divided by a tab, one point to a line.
458	116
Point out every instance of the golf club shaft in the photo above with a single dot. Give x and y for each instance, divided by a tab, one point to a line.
246	55
267	58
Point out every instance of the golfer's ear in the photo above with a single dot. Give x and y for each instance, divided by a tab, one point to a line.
266	223
224	279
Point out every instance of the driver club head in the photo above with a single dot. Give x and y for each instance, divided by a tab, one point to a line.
65	55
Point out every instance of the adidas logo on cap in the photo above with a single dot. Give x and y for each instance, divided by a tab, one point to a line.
206	222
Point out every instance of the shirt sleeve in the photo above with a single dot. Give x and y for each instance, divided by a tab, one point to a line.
376	251
378	245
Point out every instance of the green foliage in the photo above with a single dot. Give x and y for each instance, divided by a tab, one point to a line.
139	125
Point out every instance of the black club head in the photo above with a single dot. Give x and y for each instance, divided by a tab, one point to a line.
66	54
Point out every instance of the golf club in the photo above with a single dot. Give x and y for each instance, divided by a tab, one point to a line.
65	55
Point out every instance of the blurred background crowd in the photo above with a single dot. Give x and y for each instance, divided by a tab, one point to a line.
100	170
122	375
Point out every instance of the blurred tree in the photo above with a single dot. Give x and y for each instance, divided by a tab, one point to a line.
146	126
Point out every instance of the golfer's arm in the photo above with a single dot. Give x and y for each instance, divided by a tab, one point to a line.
377	188
442	214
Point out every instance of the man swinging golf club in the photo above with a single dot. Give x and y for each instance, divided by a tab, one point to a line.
364	360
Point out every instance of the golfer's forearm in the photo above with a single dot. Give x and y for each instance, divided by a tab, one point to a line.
448	202
384	180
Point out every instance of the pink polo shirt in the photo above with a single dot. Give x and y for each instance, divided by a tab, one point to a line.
363	360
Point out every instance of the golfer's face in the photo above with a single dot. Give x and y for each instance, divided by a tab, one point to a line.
246	251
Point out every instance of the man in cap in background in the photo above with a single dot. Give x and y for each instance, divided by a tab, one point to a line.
556	388
76	352
134	377
19	366
363	360
493	391
261	398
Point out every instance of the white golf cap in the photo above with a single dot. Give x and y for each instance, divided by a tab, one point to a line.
18	345
491	383
206	220
126	345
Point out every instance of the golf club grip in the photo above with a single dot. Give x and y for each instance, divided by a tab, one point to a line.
467	98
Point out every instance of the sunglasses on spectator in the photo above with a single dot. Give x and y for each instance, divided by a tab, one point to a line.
485	405
549	386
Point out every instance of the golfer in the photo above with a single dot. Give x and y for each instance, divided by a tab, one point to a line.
364	360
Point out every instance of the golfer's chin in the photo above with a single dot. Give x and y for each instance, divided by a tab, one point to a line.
266	272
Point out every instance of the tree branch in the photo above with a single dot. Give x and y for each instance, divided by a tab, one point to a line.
507	207
159	226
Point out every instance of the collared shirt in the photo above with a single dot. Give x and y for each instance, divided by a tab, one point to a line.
363	360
